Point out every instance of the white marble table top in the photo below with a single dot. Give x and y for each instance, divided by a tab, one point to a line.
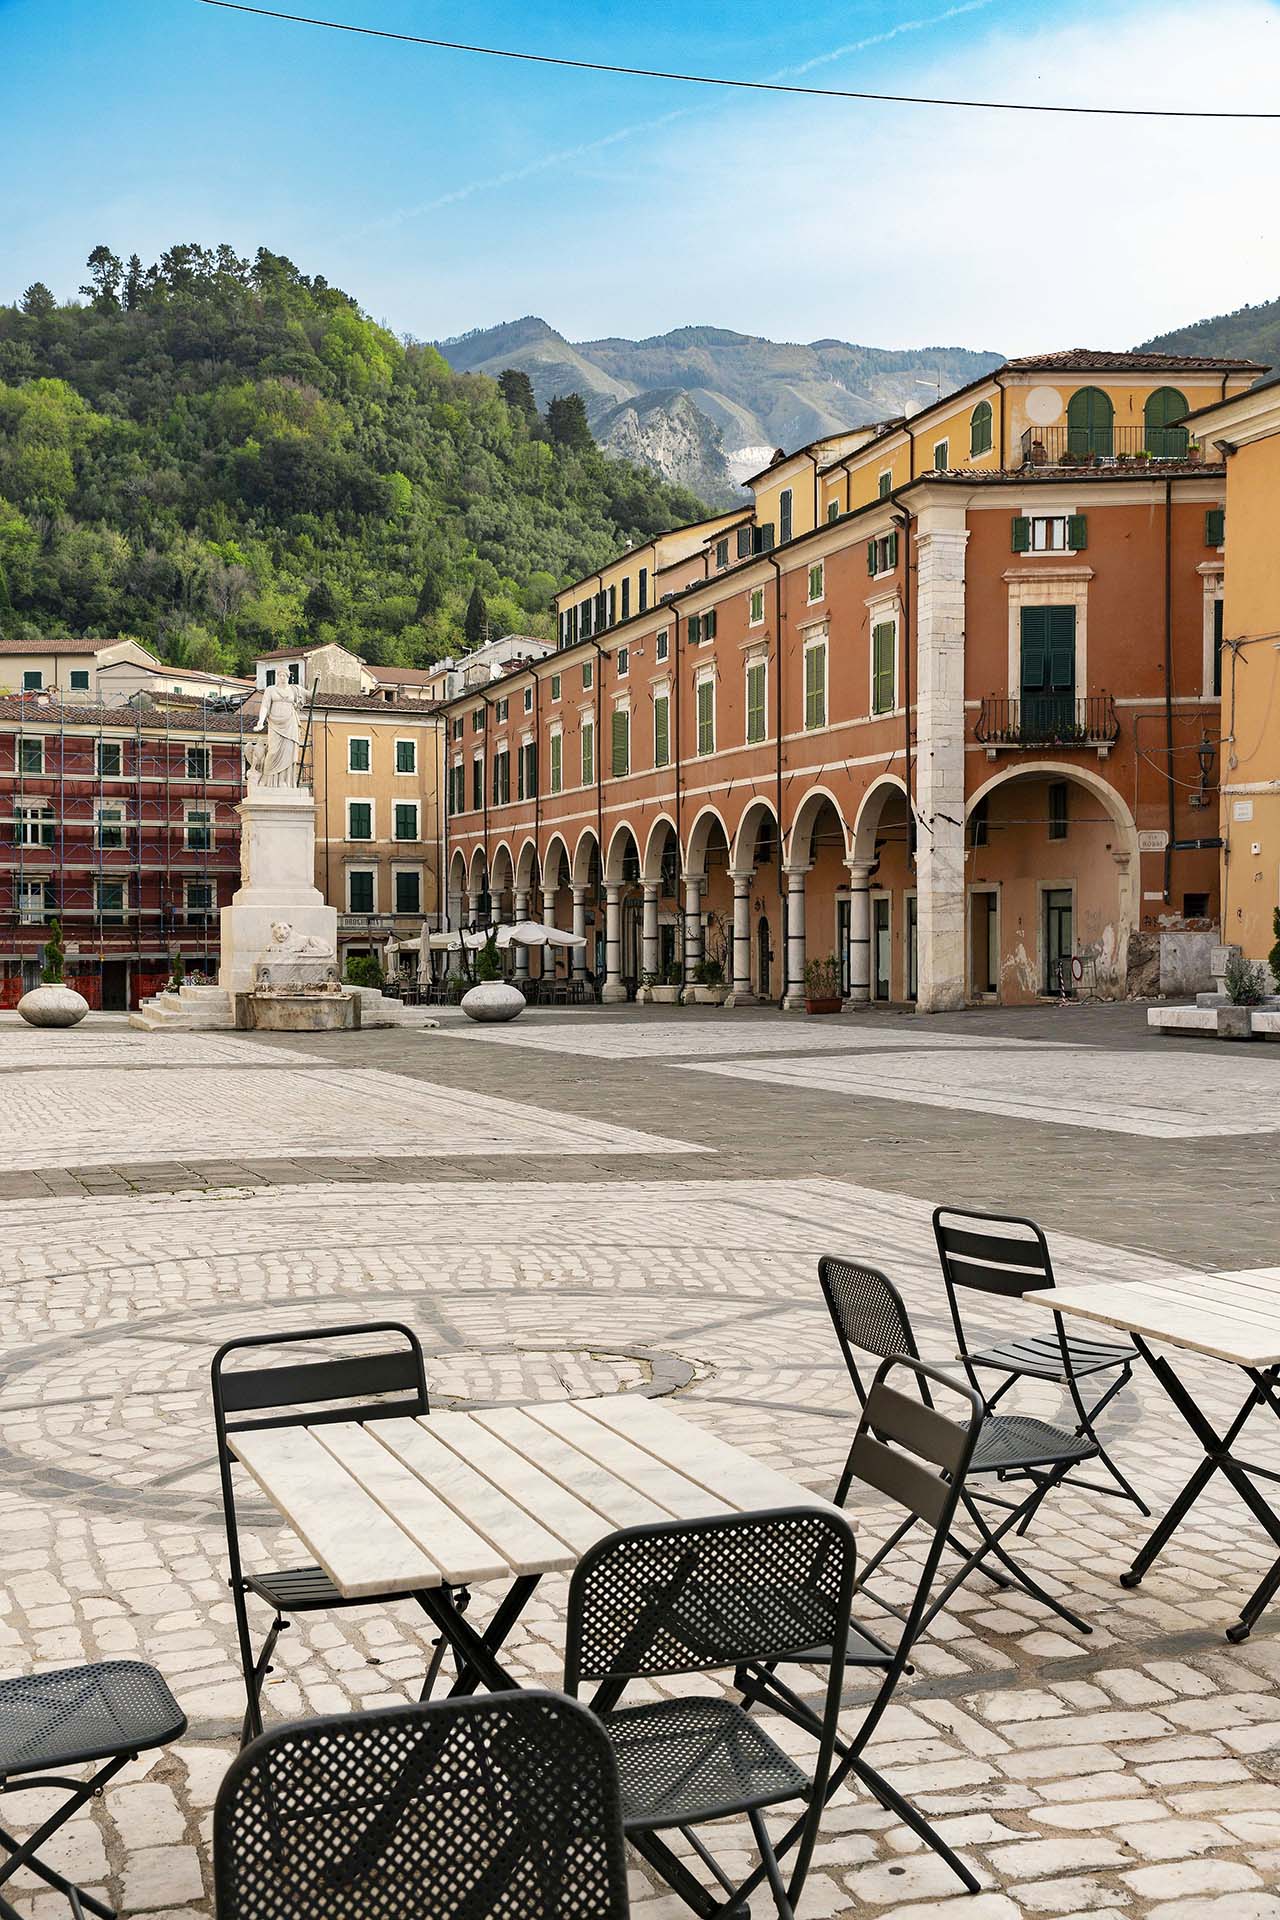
448	1498
1229	1316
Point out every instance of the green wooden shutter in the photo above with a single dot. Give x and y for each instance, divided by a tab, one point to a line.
1035	648
1020	533
661	731
706	717
709	624
557	762
588	755
621	740
893	551
1061	649
1215	521
815	662
882	690
755	701
695	629
1077	532
871	557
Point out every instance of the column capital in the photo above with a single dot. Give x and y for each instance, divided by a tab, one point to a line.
651	888
742	877
859	872
795	875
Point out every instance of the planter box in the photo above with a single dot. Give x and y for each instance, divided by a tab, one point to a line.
667	995
833	1005
706	996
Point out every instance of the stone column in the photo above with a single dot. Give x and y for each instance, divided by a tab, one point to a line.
794	996
520	911
548	906
580	928
649	929
741	995
859	937
614	991
692	925
939	657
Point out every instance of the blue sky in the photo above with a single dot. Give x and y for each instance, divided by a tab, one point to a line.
447	192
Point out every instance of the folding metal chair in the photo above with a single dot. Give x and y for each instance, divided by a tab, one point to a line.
688	1597
309	1391
918	1458
503	1804
111	1711
1005	1255
870	1316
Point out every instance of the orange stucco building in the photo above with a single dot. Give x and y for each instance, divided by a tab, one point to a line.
942	703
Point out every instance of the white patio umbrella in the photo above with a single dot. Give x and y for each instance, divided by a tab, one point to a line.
391	957
535	933
424	956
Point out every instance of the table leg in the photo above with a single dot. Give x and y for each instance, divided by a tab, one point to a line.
477	1652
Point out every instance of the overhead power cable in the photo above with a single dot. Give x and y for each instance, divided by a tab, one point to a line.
749	86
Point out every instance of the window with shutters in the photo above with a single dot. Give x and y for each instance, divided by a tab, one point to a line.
884	484
1090	420
1162	437
706	699
1057	809
32	680
626	598
501	711
111	900
662	645
406	820
882	554
941	456
1048	672
359	753
477	720
584	619
31	756
200	898
762	538
884	646
784	515
1049	533
621	742
457	787
1215	526
613	606
555	686
694	629
477	783
817	581
528	699
408	885
556	748
757	695
833	511
110	759
661	729
588	744
199	761
588	675
406	756
744	542
79	679
34	822
527	771
722	553
111	826
755	612
624	662
502	778
815	684
359	819
458	727
644	589
980	429
198	832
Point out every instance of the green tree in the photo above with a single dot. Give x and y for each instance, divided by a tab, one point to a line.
567	422
106	271
475	626
38	301
323	604
516	389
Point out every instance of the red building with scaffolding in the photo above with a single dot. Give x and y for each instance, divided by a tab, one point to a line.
121	822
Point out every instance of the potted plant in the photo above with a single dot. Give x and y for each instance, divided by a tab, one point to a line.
177	973
1246	985
709	989
492	997
1195	452
660	990
822	985
53	1003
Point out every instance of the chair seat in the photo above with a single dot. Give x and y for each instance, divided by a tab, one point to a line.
684	1761
1008	1441
84	1713
1040	1355
309	1590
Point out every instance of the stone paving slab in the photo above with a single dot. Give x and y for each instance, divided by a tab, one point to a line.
1131	1772
732	1033
93	1047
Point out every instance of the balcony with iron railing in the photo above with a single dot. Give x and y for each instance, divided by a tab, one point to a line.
1106	446
1047	720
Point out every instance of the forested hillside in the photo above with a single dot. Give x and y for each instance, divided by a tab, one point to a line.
221	456
1250	333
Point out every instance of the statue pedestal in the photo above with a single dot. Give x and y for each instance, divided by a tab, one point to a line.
277	871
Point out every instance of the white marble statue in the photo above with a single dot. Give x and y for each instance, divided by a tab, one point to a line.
254	752
280	716
288	945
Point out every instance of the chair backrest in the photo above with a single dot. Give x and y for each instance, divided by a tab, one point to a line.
917	1457
868	1313
498	1804
690	1596
993	1253
307	1393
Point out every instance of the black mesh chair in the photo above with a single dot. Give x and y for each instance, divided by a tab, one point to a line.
687	1597
870	1317
918	1458
1007	1256
390	1384
505	1804
109	1712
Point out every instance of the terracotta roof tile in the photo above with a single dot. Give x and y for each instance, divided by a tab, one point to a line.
1090	360
35	712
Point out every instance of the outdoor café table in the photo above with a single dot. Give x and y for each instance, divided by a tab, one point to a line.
430	1504
1232	1317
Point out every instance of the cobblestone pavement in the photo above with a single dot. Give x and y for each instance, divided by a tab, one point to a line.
1134	1771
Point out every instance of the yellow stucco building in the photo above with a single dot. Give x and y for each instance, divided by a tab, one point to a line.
1245	431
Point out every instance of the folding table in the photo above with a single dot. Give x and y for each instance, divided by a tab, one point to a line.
1232	1317
503	1493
